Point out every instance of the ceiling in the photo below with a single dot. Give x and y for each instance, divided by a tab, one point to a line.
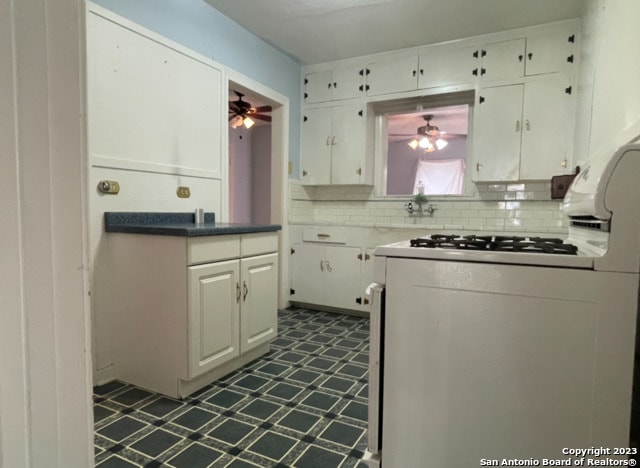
315	31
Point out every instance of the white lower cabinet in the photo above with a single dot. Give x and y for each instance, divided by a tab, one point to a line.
188	311
327	275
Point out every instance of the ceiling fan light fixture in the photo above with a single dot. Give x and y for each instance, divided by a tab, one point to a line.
236	121
248	122
424	143
413	143
441	144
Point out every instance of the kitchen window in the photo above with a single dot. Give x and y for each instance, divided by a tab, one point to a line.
422	145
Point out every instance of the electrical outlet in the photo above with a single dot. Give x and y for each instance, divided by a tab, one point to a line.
183	192
109	186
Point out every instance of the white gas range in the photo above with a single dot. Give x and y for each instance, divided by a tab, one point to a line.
486	348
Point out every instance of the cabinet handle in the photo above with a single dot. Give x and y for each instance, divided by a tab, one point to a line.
520	57
323	236
304	173
328	266
478	167
415	72
517	125
527	125
238	292
530	55
333	141
563	163
329	140
321	265
246	291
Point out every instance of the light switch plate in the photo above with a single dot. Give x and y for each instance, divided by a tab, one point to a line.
183	192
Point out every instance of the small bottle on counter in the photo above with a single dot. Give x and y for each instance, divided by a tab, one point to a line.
199	215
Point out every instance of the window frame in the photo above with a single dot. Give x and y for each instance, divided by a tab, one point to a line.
384	108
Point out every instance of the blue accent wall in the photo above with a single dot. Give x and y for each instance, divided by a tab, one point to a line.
200	27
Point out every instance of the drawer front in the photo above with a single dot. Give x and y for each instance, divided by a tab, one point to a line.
331	235
259	243
212	249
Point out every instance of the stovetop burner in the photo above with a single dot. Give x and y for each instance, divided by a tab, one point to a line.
497	243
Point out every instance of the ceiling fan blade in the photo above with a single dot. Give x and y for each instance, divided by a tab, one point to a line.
257	110
266	118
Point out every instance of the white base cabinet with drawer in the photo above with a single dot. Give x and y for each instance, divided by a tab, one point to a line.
189	310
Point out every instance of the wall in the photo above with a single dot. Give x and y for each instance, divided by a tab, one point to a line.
240	175
250	174
495	207
609	95
203	29
45	392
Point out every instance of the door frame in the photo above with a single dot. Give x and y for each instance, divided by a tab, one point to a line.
279	166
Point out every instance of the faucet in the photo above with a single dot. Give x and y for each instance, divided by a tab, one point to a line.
414	208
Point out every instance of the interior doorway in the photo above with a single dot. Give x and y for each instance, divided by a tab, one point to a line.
259	176
249	158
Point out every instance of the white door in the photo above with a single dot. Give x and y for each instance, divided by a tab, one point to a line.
446	66
547	131
393	75
502	60
497	133
342	276
213	321
316	146
318	86
259	310
307	273
348	148
347	82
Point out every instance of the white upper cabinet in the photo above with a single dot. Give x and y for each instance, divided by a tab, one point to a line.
333	145
547	49
524	131
315	146
501	60
551	50
446	65
392	74
498	122
335	84
547	129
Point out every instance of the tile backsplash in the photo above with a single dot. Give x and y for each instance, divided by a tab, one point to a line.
521	207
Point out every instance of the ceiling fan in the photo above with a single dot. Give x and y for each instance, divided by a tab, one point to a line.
429	137
242	112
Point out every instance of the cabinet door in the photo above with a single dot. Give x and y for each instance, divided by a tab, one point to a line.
348	145
318	86
346	82
213	324
342	277
446	66
393	75
550	52
502	60
259	312
497	133
547	131
307	273
316	146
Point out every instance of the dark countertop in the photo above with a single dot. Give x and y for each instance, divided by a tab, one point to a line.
177	224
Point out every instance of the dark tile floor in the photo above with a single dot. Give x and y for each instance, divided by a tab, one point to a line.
302	405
